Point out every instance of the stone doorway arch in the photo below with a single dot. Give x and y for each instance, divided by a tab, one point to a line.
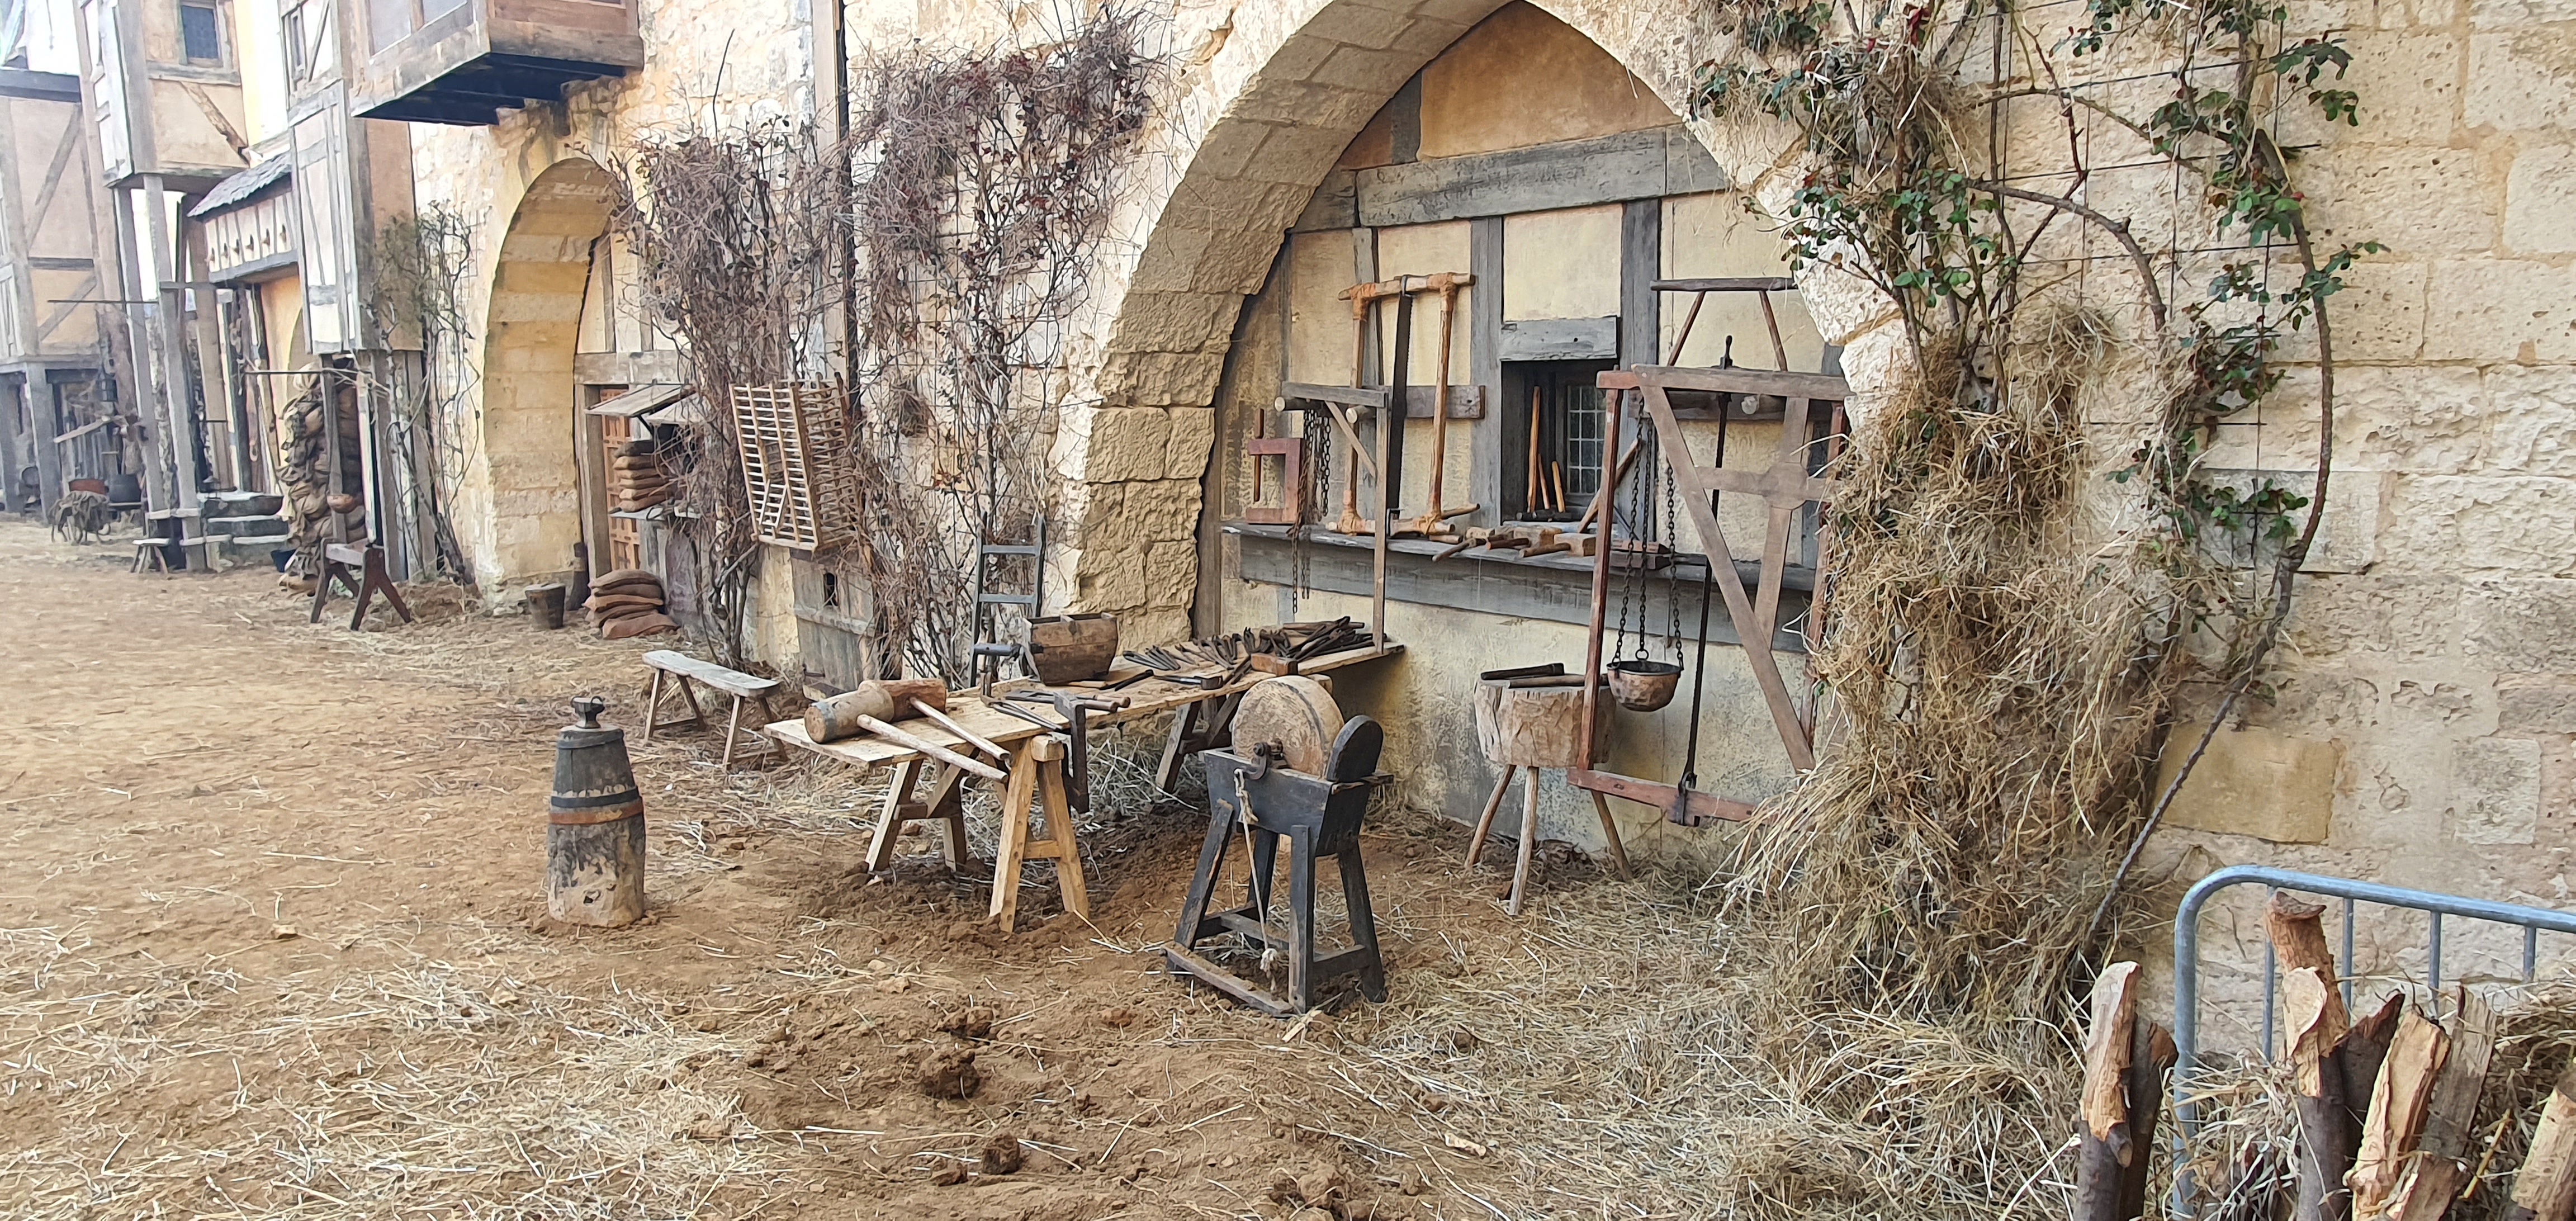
1292	87
530	397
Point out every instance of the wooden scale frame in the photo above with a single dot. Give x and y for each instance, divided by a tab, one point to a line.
1786	488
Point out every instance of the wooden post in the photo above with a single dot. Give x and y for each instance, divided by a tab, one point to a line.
2545	1188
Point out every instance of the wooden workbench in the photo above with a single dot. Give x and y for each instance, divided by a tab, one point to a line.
1036	766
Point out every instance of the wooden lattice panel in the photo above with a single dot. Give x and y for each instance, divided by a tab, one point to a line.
796	463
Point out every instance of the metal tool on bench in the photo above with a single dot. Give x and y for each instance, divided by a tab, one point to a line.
1306	778
1075	707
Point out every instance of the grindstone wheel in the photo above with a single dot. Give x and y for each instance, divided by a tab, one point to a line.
1297	713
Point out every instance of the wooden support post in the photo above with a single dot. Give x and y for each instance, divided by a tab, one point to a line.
1485	821
1037	773
1529	841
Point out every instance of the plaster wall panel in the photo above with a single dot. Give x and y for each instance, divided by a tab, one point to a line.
1562	264
1478	96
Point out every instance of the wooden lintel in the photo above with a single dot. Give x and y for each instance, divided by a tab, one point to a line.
1465	402
1659	796
1736	379
1729	284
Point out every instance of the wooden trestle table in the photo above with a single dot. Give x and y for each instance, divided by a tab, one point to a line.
924	789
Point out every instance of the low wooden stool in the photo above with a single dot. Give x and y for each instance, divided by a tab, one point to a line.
741	686
1261	802
1526	724
362	569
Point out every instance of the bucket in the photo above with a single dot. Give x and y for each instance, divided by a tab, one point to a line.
281	557
594	825
546	605
1643	686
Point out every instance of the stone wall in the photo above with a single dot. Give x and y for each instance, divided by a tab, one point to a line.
2424	727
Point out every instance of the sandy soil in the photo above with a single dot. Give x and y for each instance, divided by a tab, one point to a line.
271	943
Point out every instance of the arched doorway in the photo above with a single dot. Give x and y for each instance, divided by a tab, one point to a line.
1501	142
531	397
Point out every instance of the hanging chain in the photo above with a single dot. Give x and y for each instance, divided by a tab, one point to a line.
1672	581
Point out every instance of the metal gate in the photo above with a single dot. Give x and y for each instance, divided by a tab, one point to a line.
2531	920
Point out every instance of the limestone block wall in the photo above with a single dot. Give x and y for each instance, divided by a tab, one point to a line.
531	188
2425	726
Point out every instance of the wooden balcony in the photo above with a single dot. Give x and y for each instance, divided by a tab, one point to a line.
463	62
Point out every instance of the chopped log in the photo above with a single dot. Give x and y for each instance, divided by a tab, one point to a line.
2396	1117
2330	1113
2124	1068
2154	1057
2441	1170
2545	1188
2297	932
2105	1146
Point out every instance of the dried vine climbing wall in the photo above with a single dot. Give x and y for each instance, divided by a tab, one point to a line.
743	234
984	184
2028	557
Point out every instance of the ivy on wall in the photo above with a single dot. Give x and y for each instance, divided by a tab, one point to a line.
2031	555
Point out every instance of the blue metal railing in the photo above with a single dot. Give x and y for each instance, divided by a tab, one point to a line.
2532	920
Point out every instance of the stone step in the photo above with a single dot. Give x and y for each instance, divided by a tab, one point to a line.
271	530
217	505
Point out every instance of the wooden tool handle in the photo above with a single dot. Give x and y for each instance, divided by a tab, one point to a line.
950	724
943	754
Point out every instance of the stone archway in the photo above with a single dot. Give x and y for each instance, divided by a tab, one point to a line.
529	395
1291	87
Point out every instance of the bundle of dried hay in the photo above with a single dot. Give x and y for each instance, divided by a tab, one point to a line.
2001	658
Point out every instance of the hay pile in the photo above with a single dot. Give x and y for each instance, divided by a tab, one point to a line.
1919	921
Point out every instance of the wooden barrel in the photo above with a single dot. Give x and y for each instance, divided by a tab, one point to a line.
1535	725
546	605
594	826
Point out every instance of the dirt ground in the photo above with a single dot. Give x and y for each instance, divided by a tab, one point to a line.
271	943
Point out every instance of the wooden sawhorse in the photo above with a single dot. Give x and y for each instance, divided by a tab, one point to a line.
339	562
735	683
1036	776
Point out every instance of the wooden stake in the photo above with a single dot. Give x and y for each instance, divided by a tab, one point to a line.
2106	1149
2396	1116
2441	1168
2545	1188
2124	1069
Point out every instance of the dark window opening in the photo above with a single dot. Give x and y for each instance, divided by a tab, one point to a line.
832	591
199	37
1557	430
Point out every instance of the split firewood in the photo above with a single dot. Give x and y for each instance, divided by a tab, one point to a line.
2107	1145
2315	1017
2332	1088
2545	1188
2297	930
2397	1106
2441	1169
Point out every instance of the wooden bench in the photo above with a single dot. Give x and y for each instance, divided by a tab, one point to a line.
363	570
735	683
